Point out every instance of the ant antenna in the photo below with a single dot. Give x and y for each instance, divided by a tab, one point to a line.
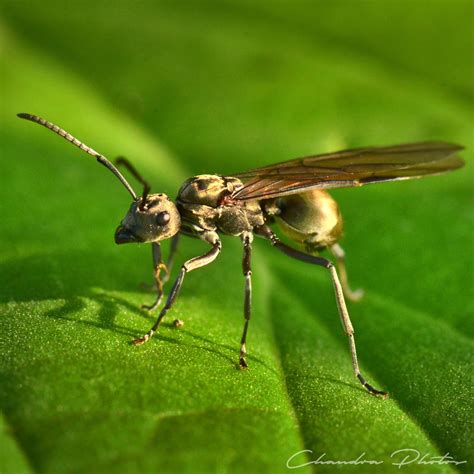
100	158
146	186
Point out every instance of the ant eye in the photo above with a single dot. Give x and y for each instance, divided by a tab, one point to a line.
163	218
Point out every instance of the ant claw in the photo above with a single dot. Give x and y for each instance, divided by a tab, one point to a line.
143	339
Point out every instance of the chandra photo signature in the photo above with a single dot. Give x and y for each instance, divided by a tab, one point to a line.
400	458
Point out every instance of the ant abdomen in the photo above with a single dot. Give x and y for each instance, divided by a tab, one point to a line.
311	219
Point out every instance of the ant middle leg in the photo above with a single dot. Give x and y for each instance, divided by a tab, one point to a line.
246	267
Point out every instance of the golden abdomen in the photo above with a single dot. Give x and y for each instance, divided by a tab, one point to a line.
312	219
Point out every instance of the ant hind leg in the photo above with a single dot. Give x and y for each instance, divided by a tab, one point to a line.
267	233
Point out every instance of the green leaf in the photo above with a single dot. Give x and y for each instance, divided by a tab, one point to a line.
202	88
11	456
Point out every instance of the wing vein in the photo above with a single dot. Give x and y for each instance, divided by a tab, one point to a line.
349	168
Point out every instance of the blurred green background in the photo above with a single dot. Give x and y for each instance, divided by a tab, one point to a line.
182	88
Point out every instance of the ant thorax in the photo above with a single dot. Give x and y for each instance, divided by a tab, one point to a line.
205	204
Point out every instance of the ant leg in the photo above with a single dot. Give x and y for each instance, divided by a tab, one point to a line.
158	265
170	261
247	240
339	254
146	187
266	232
192	264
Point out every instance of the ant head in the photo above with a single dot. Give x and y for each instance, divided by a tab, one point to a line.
149	219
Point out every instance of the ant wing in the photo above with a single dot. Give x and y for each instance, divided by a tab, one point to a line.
349	168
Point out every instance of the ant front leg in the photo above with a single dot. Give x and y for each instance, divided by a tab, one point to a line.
196	262
266	232
158	266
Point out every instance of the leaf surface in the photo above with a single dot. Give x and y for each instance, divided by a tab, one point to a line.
218	89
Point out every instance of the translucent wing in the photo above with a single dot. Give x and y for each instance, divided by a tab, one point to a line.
349	168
